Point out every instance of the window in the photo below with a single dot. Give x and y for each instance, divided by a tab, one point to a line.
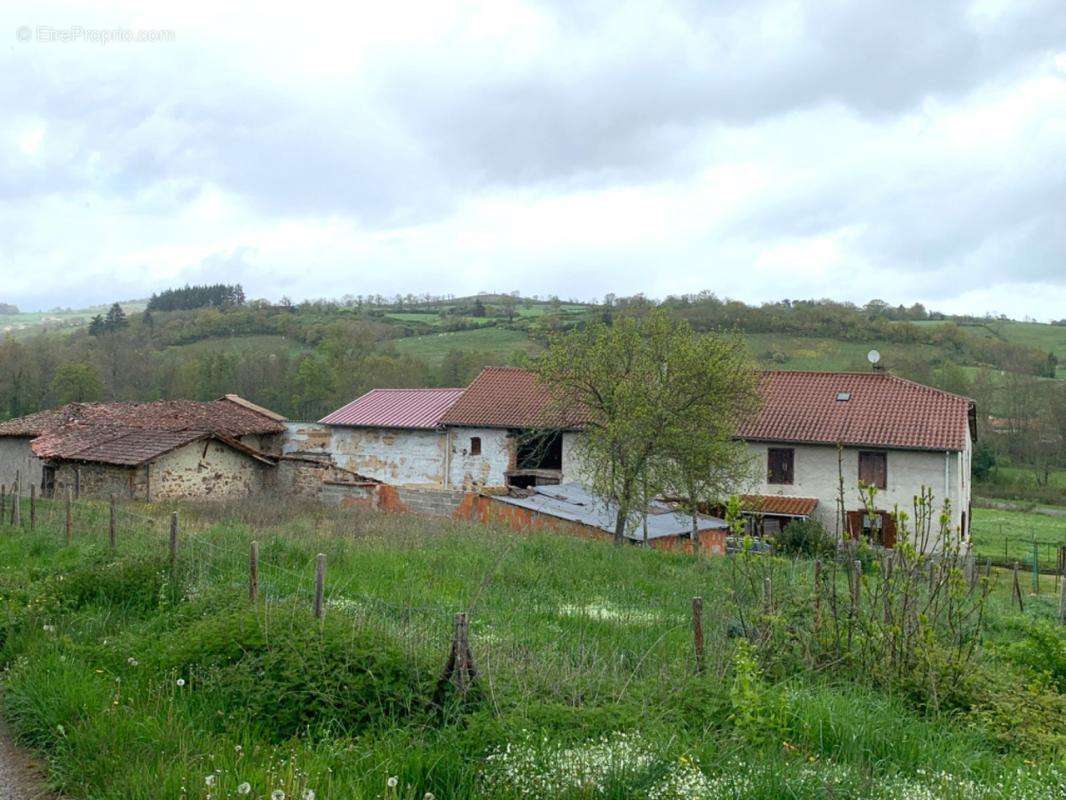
779	463
475	445
873	469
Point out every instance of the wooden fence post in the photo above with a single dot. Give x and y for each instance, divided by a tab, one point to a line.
77	482
16	498
697	632
112	527
33	506
320	585
174	546
253	572
1016	589
816	588
768	594
1062	594
69	520
459	668
856	585
3	501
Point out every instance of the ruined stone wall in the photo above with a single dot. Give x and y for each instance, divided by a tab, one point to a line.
206	470
101	480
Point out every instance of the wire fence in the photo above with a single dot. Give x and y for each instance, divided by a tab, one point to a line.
502	623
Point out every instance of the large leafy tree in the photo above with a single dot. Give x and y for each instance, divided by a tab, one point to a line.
76	383
660	405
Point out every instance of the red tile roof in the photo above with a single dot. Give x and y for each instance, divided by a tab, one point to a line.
122	445
881	410
778	504
396	408
224	416
508	397
874	409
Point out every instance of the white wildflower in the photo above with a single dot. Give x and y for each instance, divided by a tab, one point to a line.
277	794
309	794
48	628
131	661
62	730
181	682
210	780
392	781
244	788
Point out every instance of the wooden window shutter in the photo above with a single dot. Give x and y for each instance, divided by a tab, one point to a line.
873	469
780	462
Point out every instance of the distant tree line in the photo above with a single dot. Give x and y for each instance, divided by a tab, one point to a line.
188	298
8	308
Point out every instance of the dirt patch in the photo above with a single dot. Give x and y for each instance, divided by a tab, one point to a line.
21	777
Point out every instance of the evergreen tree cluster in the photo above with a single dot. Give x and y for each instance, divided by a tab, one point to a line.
218	295
112	323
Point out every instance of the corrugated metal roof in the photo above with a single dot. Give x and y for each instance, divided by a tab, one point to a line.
572	502
396	408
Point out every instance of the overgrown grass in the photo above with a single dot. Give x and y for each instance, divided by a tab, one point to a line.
1008	536
137	682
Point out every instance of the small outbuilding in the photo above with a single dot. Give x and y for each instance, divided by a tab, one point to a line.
570	508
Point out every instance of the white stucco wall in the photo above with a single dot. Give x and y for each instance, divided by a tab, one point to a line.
573	468
395	456
466	470
816	475
17	457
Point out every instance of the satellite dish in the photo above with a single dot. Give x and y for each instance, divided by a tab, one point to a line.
873	356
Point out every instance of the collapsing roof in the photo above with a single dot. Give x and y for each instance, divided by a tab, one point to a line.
396	408
123	446
129	434
571	502
226	416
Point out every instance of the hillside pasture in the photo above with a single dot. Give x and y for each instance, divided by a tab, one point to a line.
139	680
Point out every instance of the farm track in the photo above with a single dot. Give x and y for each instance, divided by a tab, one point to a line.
20	776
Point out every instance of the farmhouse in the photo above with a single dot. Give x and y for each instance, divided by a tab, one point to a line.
815	432
147	451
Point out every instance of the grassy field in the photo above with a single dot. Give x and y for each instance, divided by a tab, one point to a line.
1008	535
67	319
1050	338
138	680
497	344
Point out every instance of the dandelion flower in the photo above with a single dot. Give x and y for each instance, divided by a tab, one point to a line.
277	794
49	628
131	661
309	794
181	681
210	780
392	781
244	788
429	796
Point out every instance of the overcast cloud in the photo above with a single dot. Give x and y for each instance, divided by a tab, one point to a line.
761	150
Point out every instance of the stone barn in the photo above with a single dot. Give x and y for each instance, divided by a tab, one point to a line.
163	450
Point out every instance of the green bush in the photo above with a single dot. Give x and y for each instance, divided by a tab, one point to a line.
1043	650
804	537
135	584
288	674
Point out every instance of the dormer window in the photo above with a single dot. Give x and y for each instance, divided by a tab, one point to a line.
843	397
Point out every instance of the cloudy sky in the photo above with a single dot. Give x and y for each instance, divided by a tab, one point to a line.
761	150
